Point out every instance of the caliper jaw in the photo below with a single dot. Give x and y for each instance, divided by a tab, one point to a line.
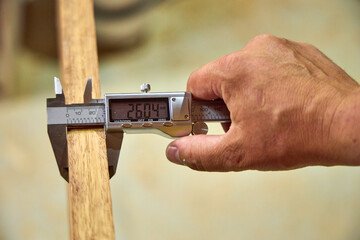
57	135
57	132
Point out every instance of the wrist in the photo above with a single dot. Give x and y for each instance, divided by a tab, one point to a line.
345	131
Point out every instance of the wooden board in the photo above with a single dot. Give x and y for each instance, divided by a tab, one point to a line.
90	207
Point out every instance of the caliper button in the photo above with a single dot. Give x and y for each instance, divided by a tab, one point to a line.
147	124
126	125
168	124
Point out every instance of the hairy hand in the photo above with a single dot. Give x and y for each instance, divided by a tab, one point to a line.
284	98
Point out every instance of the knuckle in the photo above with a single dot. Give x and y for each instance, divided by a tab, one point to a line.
189	155
194	80
232	157
264	38
195	162
266	42
229	61
229	66
194	159
193	76
189	158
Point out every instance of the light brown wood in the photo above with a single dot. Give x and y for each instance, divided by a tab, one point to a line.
89	191
10	12
90	208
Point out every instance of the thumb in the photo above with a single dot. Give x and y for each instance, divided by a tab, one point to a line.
200	152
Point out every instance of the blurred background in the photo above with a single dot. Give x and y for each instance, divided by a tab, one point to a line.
161	43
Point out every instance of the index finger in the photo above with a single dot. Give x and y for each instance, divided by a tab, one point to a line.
207	82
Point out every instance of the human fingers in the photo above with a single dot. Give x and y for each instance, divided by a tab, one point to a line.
210	81
205	153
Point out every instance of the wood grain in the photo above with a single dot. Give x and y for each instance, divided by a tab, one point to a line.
90	208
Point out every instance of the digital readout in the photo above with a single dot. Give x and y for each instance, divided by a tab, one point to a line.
145	109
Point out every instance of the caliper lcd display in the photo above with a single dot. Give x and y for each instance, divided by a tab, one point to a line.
135	110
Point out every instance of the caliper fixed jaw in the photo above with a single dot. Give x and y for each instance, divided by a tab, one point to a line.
57	132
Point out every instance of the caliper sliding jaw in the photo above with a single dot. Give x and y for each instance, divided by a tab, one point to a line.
57	132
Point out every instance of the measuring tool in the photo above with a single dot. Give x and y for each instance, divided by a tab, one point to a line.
170	114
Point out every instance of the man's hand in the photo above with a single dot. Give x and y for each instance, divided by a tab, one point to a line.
290	107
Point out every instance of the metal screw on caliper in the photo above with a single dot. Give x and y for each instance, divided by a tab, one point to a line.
145	87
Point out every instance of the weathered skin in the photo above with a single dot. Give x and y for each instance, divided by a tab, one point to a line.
290	106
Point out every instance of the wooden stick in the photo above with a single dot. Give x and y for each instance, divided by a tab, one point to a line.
90	209
10	12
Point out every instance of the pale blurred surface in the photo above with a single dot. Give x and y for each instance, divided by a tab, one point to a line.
152	198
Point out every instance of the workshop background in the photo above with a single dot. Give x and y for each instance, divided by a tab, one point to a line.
161	43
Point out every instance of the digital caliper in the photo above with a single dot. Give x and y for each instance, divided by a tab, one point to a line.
171	114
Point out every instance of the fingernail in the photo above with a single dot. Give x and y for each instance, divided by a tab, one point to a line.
172	153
